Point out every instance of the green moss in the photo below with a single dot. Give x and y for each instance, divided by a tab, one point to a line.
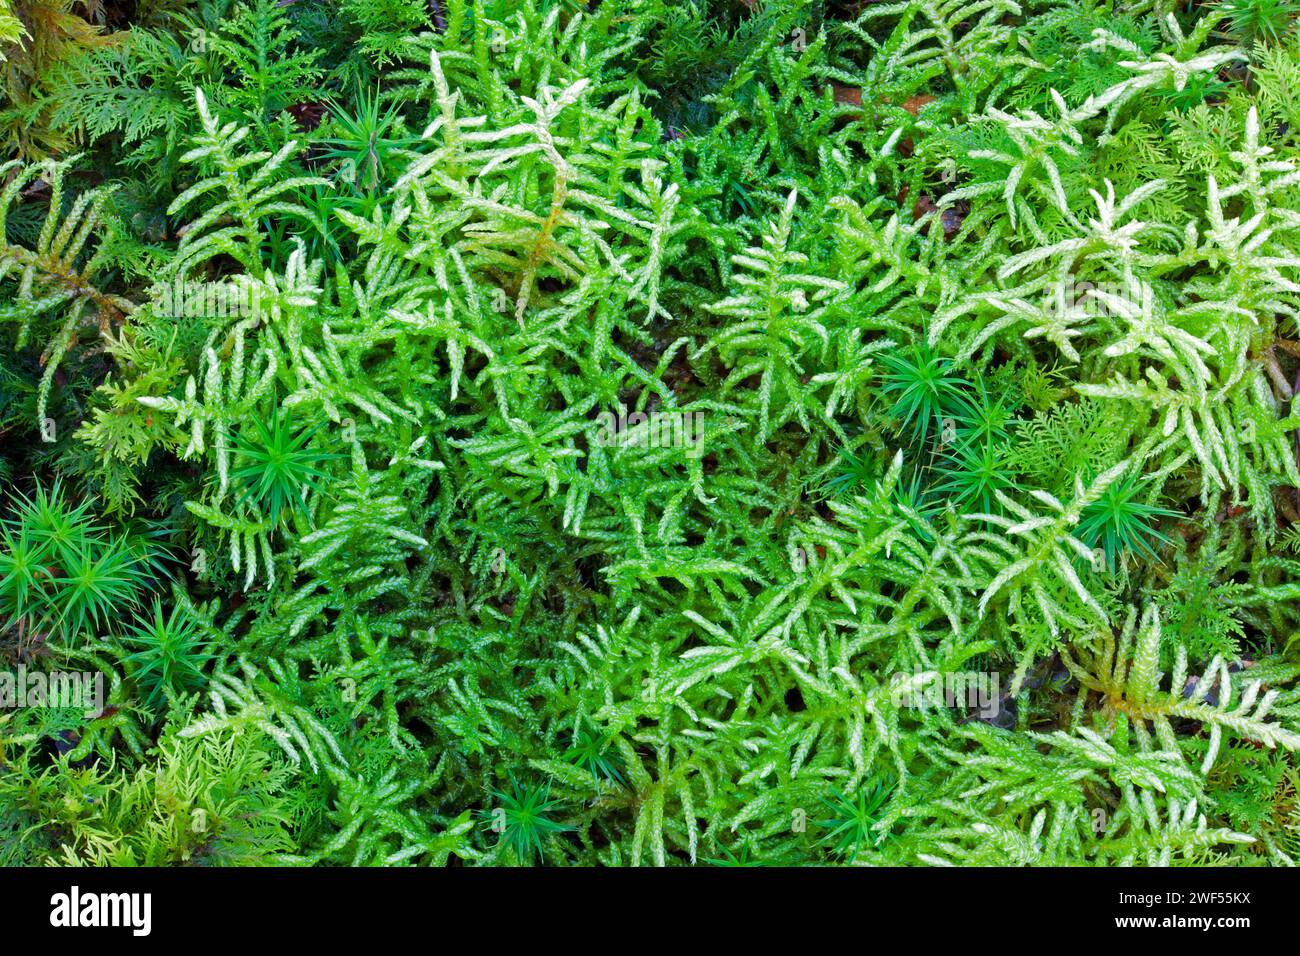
654	433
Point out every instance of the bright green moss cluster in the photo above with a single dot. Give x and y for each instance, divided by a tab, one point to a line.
651	433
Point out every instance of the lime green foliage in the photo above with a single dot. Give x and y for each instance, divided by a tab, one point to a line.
11	28
215	800
645	433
